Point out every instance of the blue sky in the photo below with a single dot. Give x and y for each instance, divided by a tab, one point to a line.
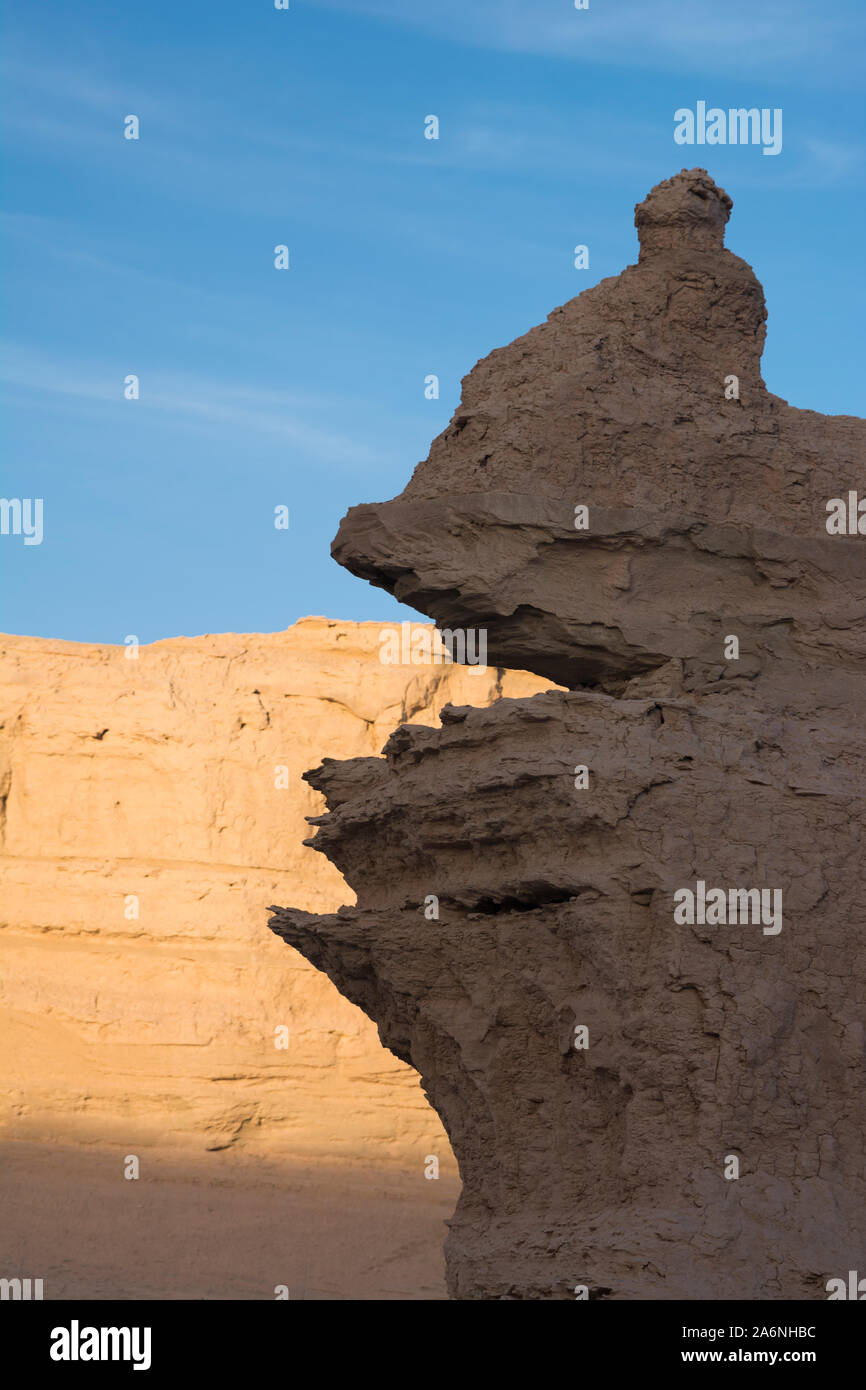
408	256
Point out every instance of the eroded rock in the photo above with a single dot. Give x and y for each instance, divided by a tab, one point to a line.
601	1066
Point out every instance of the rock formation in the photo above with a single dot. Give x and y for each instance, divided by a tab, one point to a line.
150	809
641	1105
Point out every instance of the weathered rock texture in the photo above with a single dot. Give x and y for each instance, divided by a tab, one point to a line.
159	779
175	779
605	1166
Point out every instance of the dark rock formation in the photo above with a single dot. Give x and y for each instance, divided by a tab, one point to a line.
559	893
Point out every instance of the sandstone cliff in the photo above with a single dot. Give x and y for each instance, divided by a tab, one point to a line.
151	809
641	1106
159	779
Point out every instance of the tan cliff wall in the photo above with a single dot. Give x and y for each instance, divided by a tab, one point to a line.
155	777
154	1036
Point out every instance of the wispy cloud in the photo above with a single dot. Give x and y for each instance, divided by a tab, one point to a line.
829	162
690	35
280	416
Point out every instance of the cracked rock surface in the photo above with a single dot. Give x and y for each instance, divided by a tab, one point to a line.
600	1064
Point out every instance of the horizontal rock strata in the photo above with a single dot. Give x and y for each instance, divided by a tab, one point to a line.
641	1105
150	809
